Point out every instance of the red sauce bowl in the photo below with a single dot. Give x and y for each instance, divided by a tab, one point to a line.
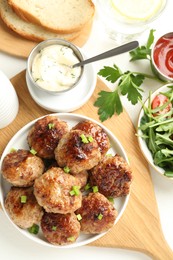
162	57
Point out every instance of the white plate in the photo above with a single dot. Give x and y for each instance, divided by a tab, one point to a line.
69	101
143	146
19	141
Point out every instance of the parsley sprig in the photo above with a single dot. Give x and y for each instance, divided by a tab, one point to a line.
128	83
143	52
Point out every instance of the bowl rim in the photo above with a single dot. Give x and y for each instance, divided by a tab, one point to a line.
142	144
44	44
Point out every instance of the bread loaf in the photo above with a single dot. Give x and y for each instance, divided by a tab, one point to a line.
60	16
28	30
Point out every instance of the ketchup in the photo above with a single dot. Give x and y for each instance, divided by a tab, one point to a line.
163	54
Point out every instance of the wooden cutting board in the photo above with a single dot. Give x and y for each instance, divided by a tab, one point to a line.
139	228
12	43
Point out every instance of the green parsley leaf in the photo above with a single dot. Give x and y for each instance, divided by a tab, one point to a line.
143	52
110	73
140	53
127	83
108	103
150	39
130	86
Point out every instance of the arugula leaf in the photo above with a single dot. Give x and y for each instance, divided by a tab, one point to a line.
111	74
163	161
164	139
152	145
166	127
143	52
167	152
108	103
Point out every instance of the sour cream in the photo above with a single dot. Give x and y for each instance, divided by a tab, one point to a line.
51	68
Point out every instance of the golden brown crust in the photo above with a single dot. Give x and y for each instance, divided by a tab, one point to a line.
98	214
74	153
60	229
82	178
21	168
34	37
52	191
96	132
112	176
45	135
26	214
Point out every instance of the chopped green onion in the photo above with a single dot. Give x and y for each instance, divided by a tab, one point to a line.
66	169
95	189
100	216
51	125
54	228
84	139
34	229
111	199
90	139
79	217
87	186
109	155
71	239
13	150
75	191
23	199
72	193
33	151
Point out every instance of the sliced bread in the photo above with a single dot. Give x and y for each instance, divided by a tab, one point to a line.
28	30
60	16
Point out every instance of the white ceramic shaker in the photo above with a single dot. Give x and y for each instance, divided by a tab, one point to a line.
9	104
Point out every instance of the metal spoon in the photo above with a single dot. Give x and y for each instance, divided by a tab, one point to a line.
118	50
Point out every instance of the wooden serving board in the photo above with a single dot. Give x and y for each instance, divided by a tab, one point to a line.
139	228
14	44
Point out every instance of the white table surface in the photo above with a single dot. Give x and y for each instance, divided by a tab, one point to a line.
12	244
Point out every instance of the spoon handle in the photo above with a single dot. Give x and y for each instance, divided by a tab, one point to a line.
118	50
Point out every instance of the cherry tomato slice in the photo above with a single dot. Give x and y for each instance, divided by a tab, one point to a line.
159	101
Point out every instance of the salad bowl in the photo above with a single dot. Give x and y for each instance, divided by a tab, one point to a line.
155	130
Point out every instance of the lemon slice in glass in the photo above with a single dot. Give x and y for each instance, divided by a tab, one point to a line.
141	10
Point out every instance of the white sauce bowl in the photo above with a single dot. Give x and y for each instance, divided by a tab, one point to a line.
56	74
